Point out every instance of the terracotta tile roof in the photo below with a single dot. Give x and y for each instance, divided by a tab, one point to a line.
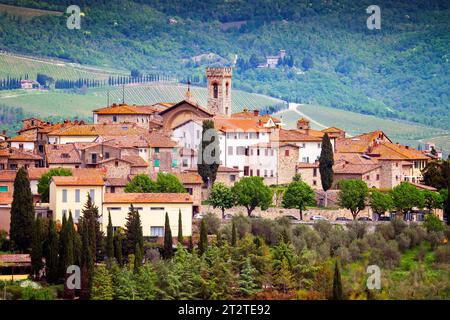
119	129
197	106
238	125
332	130
6	198
36	173
391	151
126	109
227	169
126	142
8	175
355	158
136	161
303	120
361	143
62	154
16	154
250	114
21	138
189	177
84	145
158	139
94	180
133	198
296	135
307	165
349	168
116	182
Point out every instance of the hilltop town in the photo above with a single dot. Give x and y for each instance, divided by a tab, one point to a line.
125	141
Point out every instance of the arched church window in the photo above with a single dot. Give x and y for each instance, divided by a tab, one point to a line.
216	90
227	85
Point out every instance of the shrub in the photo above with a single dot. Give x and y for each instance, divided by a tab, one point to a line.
356	229
433	223
386	257
404	242
38	294
416	233
442	254
243	225
399	225
212	222
304	234
323	228
386	231
357	248
338	238
344	254
435	238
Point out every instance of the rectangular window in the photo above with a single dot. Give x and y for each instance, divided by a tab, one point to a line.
315	172
157	150
156	231
319	145
106	155
136	208
156	208
286	153
156	163
77	195
114	209
189	190
185	162
64	196
77	215
174	163
230	150
3	188
232	178
378	177
92	194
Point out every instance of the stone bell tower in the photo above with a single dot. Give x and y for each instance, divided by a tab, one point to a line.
219	90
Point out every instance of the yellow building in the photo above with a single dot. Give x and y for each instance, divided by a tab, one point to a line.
152	210
70	193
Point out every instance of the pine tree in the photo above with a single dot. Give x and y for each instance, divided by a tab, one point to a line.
52	262
22	213
326	162
233	234
337	283
102	287
36	249
247	279
203	243
180	228
110	239
168	249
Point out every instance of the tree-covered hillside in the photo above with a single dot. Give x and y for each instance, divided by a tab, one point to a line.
401	71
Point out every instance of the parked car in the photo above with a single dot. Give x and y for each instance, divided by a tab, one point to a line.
364	219
318	218
384	218
343	219
199	216
292	218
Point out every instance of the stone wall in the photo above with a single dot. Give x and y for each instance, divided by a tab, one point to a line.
287	164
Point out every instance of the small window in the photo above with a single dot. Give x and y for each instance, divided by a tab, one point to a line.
157	150
378	177
3	188
314	183
230	150
77	195
116	163
232	178
64	196
215	90
114	209
92	194
106	155
189	190
174	163
156	231
156	163
156	208
286	153
77	215
315	172
185	162
112	189
114	118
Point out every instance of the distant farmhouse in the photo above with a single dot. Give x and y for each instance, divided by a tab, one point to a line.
272	61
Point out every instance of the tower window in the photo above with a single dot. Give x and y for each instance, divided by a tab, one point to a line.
227	89
216	90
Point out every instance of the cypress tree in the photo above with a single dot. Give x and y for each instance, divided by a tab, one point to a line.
180	228
36	249
52	262
326	162
91	221
337	283
168	249
203	243
110	239
66	251
233	234
133	231
87	262
22	213
118	248
191	245
208	171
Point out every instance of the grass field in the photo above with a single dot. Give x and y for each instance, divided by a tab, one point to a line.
17	66
61	103
355	123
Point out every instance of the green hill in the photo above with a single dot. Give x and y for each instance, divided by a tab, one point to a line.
401	71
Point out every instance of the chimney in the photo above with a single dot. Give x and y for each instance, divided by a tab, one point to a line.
256	112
